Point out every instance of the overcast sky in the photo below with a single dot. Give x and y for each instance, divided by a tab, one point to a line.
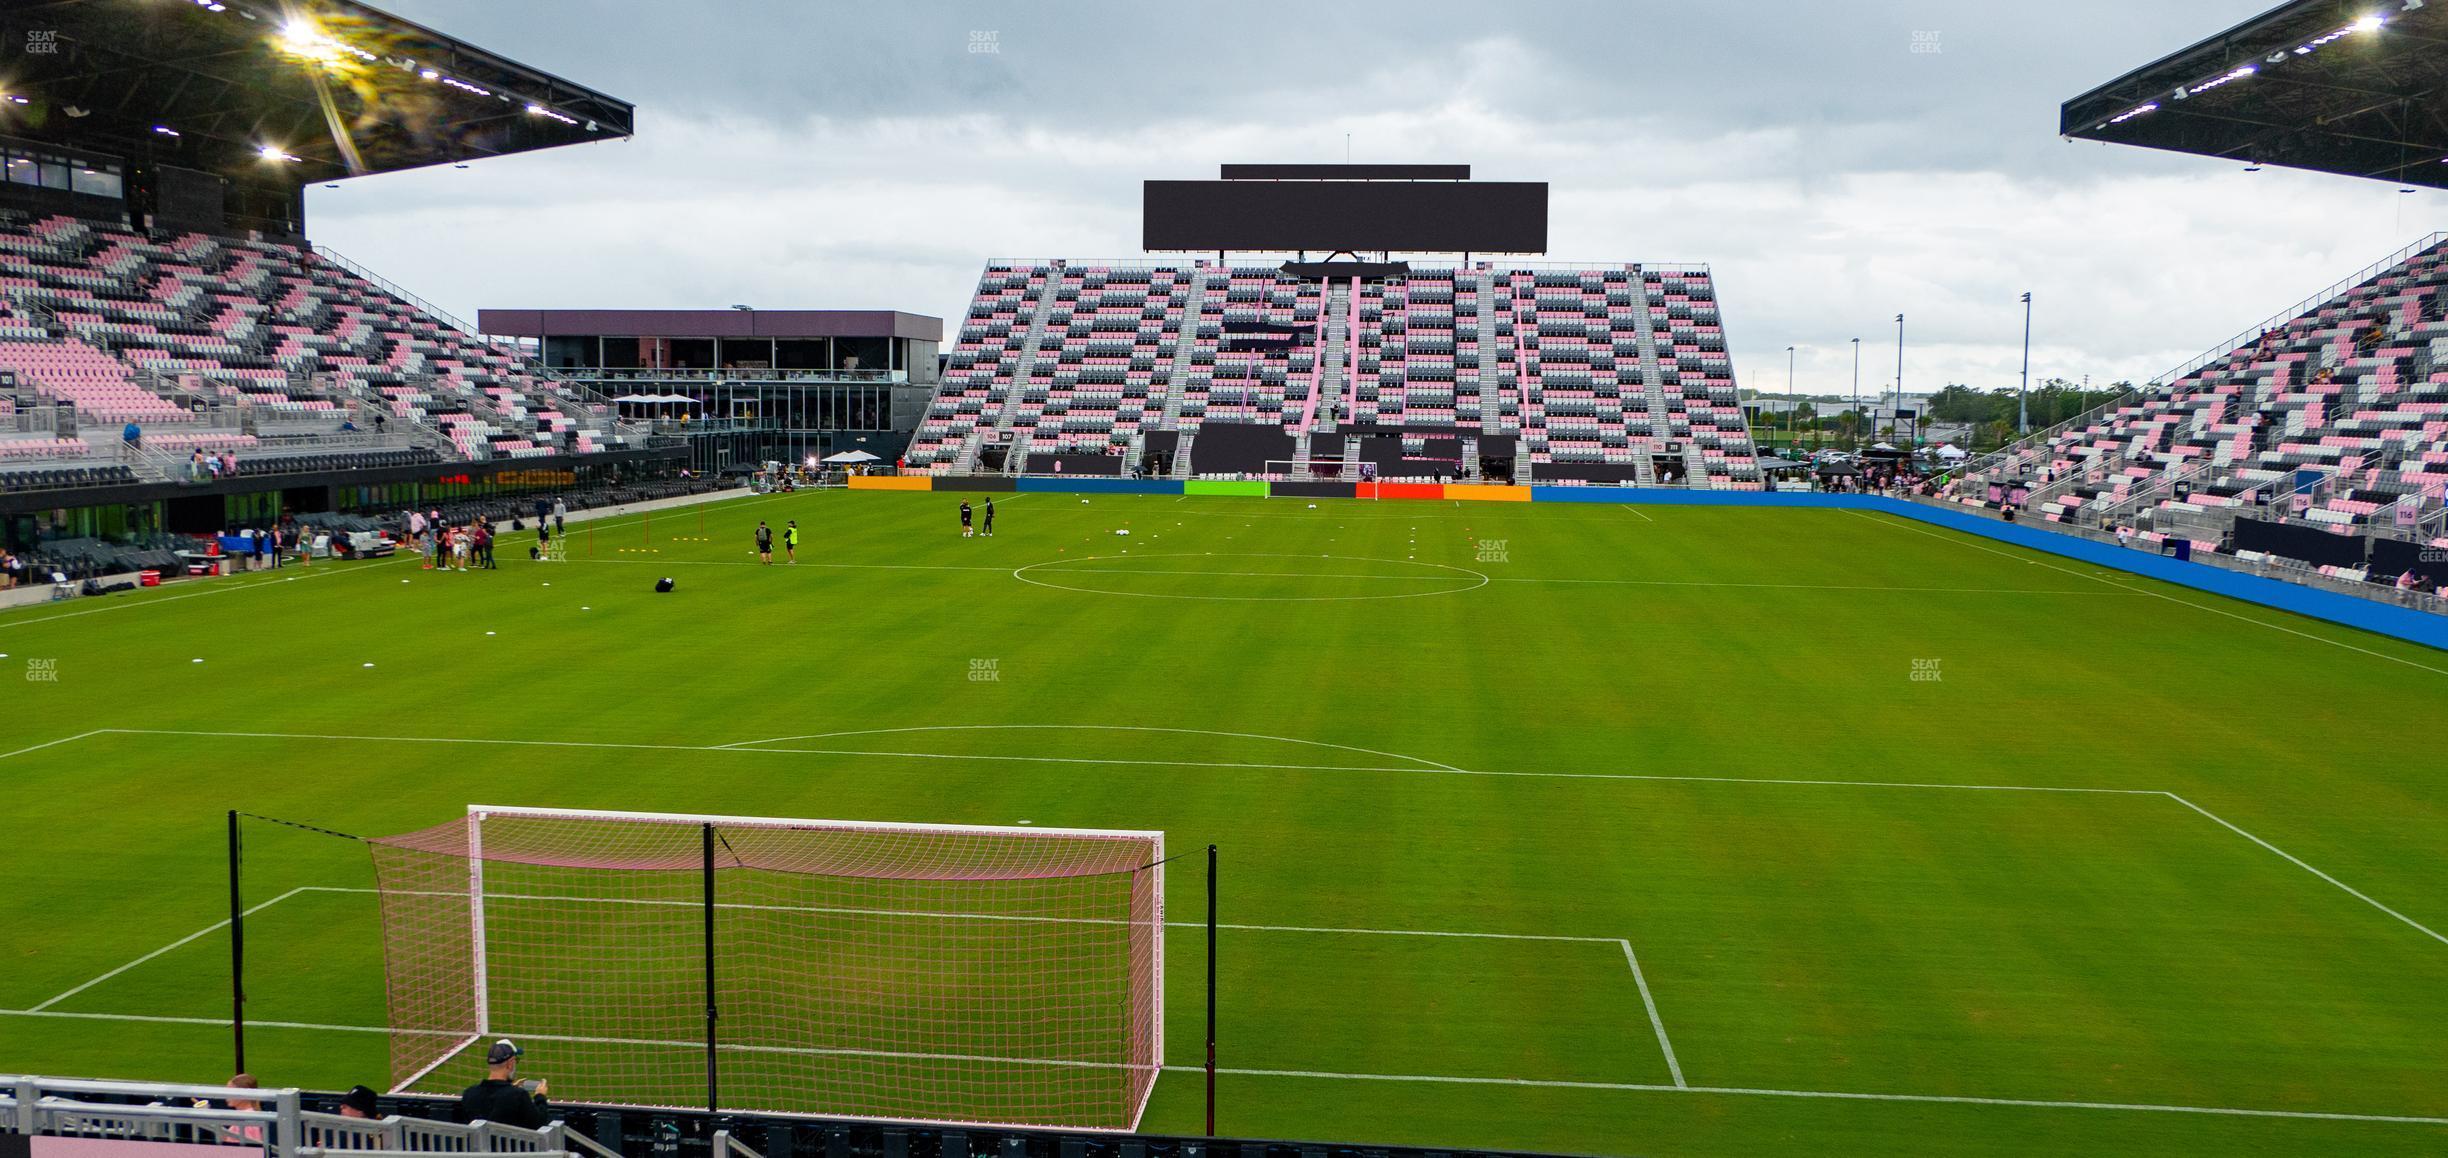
846	154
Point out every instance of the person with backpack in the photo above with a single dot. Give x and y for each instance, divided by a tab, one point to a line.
764	542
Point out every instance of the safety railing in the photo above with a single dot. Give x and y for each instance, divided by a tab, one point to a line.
277	1124
586	396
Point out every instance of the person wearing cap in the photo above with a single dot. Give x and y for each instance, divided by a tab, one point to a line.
501	1097
359	1103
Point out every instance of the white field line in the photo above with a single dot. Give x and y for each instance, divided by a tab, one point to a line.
1644	515
1302	575
1150	763
276	577
2298	862
1437	1079
1745	1091
936	915
1822	587
803	564
1666	1047
47	744
1095	728
212	587
2137	588
207	930
437	1063
1673	1068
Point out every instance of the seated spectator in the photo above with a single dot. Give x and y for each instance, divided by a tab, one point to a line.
359	1103
250	1133
501	1097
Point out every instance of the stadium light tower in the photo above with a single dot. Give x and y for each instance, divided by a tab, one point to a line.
2023	392
1899	402
1789	391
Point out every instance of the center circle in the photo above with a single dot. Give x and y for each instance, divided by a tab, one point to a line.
1251	578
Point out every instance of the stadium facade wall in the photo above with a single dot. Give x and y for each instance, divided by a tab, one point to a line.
2379	618
975	483
1244	488
1093	486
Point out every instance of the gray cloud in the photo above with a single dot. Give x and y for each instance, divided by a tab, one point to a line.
822	154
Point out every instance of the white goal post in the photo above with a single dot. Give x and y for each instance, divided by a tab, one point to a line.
924	973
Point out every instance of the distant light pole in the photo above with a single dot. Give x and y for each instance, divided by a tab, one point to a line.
1789	392
1857	414
2023	394
1899	402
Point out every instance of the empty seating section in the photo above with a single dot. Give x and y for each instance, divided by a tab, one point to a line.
2346	403
131	329
1611	365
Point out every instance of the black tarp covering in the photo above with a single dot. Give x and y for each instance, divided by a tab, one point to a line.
2300	541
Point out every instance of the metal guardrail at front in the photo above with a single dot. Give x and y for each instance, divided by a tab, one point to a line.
1982	465
2299	309
732	374
578	391
279	1126
2286	570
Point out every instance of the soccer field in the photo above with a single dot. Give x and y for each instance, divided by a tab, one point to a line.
1587	828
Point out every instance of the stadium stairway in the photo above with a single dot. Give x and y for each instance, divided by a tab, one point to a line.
1592	369
2334	413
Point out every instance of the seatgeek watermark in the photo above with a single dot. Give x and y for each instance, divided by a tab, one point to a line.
985	671
985	42
1494	551
42	671
1925	42
1925	671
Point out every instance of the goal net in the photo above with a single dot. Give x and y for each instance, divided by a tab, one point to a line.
925	973
1320	470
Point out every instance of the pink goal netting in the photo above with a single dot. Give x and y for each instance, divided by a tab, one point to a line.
1008	976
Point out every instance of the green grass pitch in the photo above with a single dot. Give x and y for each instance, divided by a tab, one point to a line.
1762	831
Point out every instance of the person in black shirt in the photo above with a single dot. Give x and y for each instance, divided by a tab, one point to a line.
501	1097
764	542
965	529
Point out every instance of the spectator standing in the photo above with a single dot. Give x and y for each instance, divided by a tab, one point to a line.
560	517
263	545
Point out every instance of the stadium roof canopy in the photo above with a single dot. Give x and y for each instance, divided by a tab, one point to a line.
2358	87
322	88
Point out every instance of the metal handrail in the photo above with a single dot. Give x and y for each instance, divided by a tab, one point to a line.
578	391
2298	310
2173	379
1261	257
743	374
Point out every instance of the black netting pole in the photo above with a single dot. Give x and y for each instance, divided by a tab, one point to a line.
713	1087
1211	987
237	923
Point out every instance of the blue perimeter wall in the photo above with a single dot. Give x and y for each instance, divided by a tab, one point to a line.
2379	618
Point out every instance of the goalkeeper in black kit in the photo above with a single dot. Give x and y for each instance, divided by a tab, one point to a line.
501	1097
